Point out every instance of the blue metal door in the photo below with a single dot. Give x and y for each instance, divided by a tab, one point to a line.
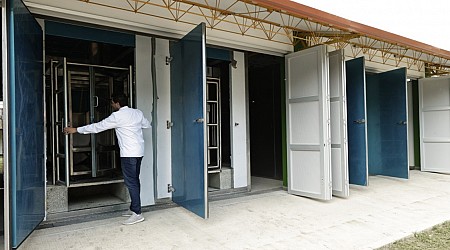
386	113
188	107
356	116
25	122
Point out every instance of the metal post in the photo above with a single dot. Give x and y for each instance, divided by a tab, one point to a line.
57	119
130	84
92	120
66	121
53	123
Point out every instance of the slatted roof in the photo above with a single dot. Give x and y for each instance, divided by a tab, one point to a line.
283	21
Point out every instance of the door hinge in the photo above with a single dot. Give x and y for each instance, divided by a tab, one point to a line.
169	124
168	59
170	188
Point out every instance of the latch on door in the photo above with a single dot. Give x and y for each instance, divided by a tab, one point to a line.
360	121
401	123
199	120
170	188
95	101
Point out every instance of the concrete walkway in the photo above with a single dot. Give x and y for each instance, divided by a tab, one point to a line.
387	210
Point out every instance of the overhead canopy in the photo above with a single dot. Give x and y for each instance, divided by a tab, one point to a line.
283	21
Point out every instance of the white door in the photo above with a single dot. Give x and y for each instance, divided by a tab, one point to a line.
434	110
338	113
308	127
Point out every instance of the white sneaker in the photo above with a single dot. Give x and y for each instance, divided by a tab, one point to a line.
127	213
134	218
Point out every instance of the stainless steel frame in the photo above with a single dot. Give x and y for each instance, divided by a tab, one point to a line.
65	122
52	118
130	86
213	128
78	76
92	120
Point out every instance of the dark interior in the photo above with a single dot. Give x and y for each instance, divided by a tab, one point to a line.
264	81
220	69
84	51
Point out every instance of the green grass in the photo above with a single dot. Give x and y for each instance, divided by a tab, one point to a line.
437	237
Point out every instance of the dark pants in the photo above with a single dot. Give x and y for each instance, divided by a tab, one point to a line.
131	167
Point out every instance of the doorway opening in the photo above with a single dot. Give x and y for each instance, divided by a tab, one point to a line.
265	74
220	173
83	171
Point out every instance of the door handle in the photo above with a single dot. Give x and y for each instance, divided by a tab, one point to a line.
360	121
95	101
199	120
402	123
63	125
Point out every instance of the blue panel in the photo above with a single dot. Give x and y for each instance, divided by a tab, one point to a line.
188	80
26	122
387	136
373	124
90	34
355	80
220	54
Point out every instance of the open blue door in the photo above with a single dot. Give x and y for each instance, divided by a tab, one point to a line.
387	128
188	108
25	122
356	116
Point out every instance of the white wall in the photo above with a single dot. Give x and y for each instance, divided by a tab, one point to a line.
239	140
163	139
144	102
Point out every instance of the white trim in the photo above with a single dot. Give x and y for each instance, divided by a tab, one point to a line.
238	122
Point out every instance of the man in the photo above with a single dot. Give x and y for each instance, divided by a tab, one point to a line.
128	124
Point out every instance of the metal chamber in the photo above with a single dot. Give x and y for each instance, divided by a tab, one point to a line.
80	95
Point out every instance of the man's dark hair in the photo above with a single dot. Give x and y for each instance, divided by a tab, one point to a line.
122	99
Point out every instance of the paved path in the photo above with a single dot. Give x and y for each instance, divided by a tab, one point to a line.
387	210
